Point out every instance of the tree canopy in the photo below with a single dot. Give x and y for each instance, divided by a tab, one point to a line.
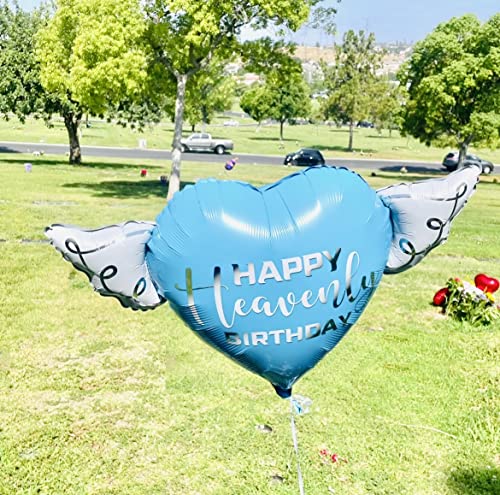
21	92
92	50
350	79
254	103
453	85
386	99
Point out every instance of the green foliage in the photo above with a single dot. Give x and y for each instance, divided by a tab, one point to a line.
350	79
453	83
265	55
21	91
91	50
185	35
324	18
469	306
254	103
386	102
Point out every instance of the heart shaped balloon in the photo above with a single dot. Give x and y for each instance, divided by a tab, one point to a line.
272	277
486	283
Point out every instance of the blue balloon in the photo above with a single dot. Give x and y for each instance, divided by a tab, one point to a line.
272	277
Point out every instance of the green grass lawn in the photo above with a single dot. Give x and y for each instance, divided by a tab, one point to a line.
101	400
332	141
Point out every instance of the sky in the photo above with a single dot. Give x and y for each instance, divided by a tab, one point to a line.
390	20
396	20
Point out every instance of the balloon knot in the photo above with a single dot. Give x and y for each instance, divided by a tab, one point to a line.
284	393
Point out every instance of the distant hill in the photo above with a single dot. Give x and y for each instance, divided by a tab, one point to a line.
315	53
397	53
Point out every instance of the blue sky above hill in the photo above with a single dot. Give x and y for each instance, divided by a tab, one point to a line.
390	20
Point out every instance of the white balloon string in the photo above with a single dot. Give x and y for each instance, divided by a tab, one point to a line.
296	446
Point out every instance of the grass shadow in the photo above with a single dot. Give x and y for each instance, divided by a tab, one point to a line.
124	189
271	139
378	136
475	481
6	149
338	130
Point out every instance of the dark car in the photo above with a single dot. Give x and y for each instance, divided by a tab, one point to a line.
304	157
450	162
366	124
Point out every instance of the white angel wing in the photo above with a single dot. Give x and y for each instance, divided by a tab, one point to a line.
113	258
422	212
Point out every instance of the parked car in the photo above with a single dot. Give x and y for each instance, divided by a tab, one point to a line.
305	157
450	162
365	123
205	142
298	121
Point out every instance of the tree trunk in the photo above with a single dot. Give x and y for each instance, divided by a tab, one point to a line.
175	172
193	128
281	129
351	136
204	115
72	123
463	150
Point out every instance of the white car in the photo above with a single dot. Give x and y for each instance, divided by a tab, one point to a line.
204	142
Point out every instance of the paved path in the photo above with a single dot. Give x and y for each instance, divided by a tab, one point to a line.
138	153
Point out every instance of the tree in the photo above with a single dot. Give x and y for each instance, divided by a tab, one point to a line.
284	95
91	57
453	84
288	97
186	34
21	91
349	80
254	103
386	104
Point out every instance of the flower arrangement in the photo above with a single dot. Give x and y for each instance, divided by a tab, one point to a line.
467	301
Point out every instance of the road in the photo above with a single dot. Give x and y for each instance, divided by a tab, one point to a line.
138	153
